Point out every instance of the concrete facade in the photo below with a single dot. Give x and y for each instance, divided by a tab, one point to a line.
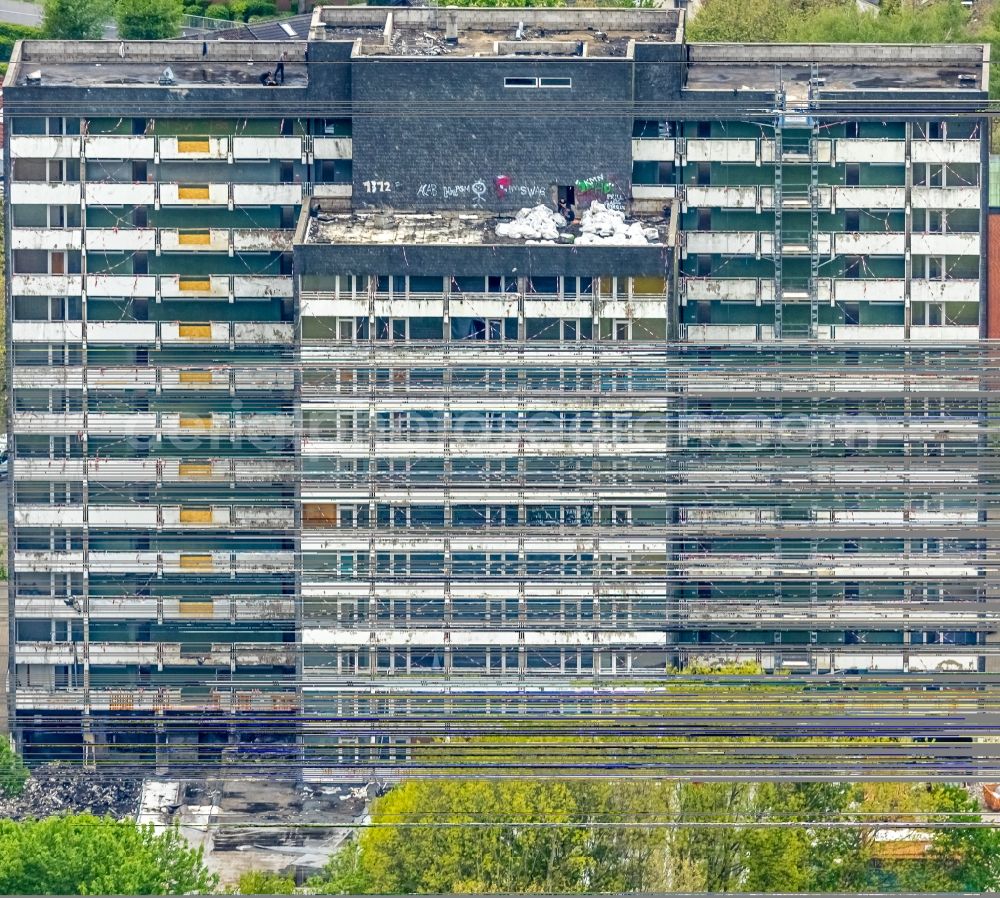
313	454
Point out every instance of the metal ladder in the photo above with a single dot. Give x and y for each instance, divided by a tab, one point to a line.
776	248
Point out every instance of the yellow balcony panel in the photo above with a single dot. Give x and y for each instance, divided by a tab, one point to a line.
195	377
319	515
193	146
194	285
195	331
196	422
194	238
193	192
196	609
196	515
195	470
196	562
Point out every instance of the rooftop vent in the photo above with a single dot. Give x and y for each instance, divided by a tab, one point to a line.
33	78
966	78
519	34
168	76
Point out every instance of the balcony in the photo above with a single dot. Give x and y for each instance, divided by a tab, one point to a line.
869	290
646	149
194	379
249	333
48	516
213	240
31	146
961	244
139	193
708	150
262	240
659	192
945	197
262	285
121	423
870	197
265	379
118	517
121	239
179	332
722	289
958	290
177	286
869	150
873	243
127	332
726	243
121	285
945	333
721	197
194	194
336	191
267	194
194	147
46	284
343	148
796	153
121	378
47	332
123	146
260	147
946	151
204	517
46	238
43	193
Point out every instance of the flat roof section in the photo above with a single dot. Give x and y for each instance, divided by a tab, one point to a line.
839	67
454	228
495	32
144	63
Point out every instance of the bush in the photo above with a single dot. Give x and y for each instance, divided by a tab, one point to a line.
218	11
244	9
13	773
148	20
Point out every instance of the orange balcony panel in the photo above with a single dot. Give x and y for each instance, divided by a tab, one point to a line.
194	238
195	470
194	285
196	562
195	377
196	422
193	192
193	146
195	331
196	515
196	609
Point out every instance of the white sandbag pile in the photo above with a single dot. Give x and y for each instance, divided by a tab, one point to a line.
536	223
599	225
607	226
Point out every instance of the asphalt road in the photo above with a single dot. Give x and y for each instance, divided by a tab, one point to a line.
18	12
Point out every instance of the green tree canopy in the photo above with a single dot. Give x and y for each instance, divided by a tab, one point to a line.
13	773
78	20
86	855
543	836
151	20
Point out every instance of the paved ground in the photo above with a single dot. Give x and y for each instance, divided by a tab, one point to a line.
17	12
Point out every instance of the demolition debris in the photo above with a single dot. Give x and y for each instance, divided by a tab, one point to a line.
65	789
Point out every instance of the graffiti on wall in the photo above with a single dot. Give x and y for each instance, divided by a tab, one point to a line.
599	187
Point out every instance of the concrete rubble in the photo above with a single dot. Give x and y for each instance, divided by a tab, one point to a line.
599	225
66	789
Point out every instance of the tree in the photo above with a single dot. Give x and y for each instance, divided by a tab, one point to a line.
83	854
263	882
13	773
149	20
80	20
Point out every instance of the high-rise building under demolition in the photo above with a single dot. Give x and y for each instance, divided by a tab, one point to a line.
324	433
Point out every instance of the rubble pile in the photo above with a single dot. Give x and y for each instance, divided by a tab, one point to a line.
603	225
65	789
598	226
535	223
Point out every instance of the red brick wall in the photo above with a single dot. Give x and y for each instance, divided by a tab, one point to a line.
993	277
